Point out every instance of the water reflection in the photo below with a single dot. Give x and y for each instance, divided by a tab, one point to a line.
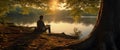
67	25
68	28
59	23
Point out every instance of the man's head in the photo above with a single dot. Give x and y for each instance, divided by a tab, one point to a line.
41	17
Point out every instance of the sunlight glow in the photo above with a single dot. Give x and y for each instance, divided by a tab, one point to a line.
53	5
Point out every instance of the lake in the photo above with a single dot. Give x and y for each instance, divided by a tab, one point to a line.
84	25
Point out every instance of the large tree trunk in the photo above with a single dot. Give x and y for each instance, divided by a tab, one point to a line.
105	35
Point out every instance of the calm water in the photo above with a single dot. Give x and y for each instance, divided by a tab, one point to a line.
84	25
68	28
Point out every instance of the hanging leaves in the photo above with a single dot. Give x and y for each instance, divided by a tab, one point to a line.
76	6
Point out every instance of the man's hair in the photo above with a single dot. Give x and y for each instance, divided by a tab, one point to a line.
41	17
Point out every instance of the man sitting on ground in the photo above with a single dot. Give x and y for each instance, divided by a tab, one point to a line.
41	26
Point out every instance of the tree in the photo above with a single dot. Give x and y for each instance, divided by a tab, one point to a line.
77	6
105	35
4	7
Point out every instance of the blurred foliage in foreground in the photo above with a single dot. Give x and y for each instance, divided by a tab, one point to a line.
88	6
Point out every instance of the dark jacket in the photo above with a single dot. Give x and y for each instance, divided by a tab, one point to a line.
41	26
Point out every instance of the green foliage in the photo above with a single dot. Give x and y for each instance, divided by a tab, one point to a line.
76	19
79	6
4	6
77	32
4	20
38	3
25	10
17	16
76	6
91	10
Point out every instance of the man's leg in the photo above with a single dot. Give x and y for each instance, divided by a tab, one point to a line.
49	30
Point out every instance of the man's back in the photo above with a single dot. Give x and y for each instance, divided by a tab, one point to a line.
40	25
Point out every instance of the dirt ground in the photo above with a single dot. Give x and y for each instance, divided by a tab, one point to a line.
12	38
